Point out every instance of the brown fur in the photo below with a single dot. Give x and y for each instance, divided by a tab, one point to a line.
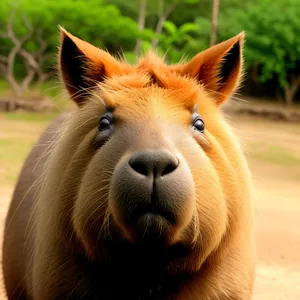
66	237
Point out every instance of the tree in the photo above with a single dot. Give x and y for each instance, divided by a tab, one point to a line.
32	61
101	24
214	22
27	50
272	43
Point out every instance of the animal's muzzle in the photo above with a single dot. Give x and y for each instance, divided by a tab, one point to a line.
150	191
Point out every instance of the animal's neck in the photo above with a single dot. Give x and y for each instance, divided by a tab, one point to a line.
136	276
132	282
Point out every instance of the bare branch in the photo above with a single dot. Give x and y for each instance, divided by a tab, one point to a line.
10	30
141	24
28	78
3	59
3	64
11	58
41	57
15	50
161	20
2	69
30	58
3	35
43	43
11	33
27	23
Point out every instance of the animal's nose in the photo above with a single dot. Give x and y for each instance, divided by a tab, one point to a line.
156	163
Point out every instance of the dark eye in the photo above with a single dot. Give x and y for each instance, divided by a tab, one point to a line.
104	123
199	125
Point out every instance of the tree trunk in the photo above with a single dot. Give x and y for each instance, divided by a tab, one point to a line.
291	89
288	96
141	25
279	97
10	72
214	22
40	58
161	20
28	79
3	65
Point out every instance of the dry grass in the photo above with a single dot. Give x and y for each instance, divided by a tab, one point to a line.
273	151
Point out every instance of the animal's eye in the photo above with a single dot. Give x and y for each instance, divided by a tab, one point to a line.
198	124
104	123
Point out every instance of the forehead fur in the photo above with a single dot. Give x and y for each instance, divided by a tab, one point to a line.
149	74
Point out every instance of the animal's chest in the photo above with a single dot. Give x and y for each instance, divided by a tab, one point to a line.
150	294
132	292
135	290
135	279
140	286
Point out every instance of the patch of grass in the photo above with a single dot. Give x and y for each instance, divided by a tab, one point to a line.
18	133
4	86
12	151
12	155
28	117
274	154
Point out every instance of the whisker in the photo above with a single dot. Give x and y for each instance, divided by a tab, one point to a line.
232	97
22	200
86	121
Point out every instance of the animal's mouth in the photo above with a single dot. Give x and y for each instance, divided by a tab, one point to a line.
151	228
154	208
150	222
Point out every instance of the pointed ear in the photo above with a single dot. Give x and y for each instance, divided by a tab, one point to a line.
218	68
82	66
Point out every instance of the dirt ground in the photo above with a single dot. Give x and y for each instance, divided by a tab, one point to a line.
277	183
273	152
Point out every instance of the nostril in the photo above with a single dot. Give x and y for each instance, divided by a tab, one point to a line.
138	166
153	163
170	167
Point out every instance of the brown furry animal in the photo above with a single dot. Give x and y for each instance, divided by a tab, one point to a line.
145	193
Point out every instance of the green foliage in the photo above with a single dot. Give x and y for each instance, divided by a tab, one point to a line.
271	34
20	134
99	23
3	86
274	154
272	27
176	40
29	117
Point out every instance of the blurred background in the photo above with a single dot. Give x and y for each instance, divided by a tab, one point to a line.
265	114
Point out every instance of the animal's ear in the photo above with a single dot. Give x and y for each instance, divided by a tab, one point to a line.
82	66
219	67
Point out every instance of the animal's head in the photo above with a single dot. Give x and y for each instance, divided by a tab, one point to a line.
148	158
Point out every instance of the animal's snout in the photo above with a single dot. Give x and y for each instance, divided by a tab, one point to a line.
152	194
154	164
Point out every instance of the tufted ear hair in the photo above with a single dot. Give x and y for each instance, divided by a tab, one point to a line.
83	65
218	68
